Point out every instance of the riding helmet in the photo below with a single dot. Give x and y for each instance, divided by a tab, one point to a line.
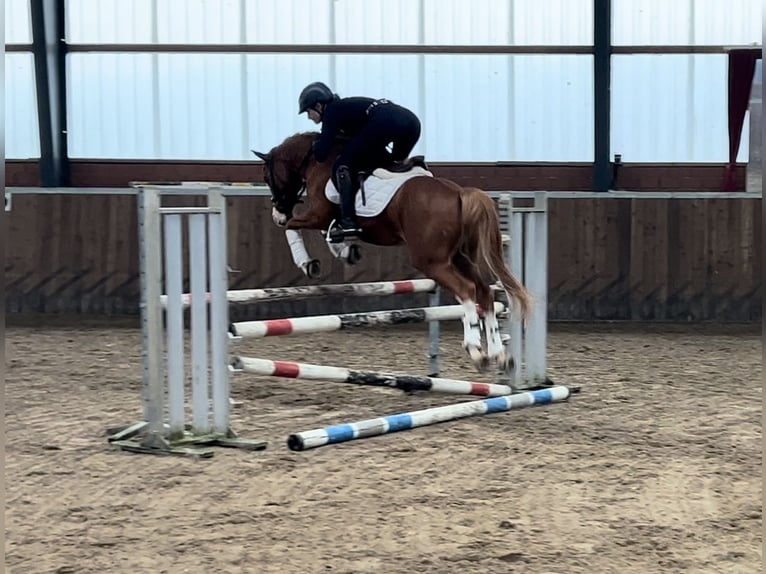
313	94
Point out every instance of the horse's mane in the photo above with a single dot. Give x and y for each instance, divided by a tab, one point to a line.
295	147
298	138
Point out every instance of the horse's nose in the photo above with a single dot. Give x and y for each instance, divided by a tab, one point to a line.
279	218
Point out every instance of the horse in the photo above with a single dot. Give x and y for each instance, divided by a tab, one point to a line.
452	234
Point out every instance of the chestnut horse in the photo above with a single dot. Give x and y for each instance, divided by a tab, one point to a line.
452	234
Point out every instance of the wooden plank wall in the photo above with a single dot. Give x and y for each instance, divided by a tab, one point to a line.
678	260
489	176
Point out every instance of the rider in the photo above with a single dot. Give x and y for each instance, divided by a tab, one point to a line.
372	125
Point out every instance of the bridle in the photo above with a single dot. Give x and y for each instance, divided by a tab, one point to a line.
286	195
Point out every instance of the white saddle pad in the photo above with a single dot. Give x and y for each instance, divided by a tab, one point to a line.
379	188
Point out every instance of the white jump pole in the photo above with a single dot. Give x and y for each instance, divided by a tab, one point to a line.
199	348
324	323
150	263
174	322
314	438
247	296
407	383
219	314
536	276
434	336
516	263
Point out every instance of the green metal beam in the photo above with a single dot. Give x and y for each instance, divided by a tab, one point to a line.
602	53
49	49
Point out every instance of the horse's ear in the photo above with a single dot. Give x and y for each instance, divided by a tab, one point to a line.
264	156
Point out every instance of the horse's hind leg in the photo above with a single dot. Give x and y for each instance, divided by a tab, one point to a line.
495	349
450	278
349	253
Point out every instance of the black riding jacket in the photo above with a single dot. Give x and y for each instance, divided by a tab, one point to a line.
346	116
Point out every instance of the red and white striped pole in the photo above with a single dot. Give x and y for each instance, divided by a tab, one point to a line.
408	383
323	323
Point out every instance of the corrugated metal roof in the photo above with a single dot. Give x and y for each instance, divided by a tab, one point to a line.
473	107
671	108
18	28
694	22
22	137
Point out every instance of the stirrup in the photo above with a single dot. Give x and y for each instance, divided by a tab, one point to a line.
337	234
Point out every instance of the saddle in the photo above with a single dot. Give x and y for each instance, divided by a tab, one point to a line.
397	167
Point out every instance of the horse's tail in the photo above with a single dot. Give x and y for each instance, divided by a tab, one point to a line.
482	238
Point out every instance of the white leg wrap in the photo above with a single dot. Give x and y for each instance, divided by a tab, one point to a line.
471	328
297	248
495	346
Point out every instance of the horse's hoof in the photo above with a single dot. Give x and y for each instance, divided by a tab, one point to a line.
479	359
504	362
354	254
313	269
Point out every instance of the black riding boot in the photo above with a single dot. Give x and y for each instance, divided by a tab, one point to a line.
348	226
408	163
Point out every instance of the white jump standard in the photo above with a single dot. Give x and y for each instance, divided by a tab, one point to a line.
527	254
164	429
158	433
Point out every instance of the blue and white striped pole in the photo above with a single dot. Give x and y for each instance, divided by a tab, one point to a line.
393	423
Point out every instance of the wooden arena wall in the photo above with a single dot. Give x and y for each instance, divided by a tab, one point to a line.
635	259
489	176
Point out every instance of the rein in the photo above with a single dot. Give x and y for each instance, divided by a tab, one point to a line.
302	169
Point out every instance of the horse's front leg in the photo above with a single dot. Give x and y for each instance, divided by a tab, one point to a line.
347	252
310	267
293	232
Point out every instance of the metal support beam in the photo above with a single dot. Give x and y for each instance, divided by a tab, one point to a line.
602	53
49	49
